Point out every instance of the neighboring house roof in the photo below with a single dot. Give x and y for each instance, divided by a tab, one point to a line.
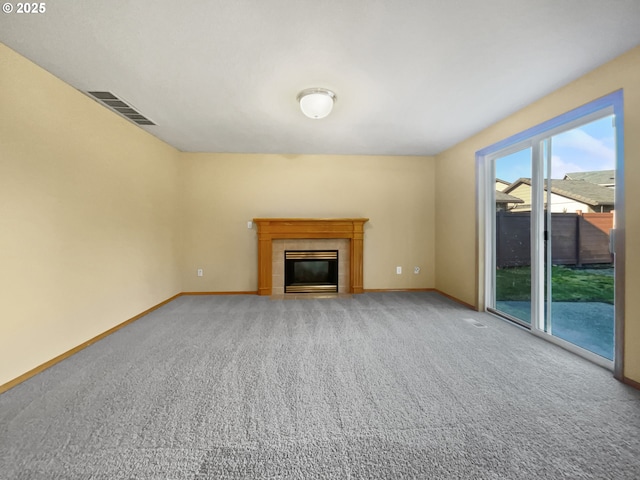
504	182
578	190
600	177
502	197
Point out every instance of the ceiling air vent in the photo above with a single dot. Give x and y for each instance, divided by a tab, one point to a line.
117	105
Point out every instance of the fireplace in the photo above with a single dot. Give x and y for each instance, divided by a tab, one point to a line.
272	231
310	271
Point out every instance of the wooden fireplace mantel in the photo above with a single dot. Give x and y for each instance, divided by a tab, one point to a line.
309	228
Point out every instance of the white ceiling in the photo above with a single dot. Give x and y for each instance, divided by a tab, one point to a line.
413	77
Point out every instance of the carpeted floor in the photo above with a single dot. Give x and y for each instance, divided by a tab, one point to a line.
380	385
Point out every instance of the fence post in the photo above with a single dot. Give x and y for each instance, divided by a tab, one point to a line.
578	246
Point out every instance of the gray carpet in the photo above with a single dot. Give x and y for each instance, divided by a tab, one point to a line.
381	385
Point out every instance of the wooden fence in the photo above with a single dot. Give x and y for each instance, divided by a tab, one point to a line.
576	239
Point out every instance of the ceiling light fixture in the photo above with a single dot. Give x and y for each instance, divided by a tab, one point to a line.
316	102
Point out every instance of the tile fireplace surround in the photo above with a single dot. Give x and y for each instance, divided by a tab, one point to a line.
309	229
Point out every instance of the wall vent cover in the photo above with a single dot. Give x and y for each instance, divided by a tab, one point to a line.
122	108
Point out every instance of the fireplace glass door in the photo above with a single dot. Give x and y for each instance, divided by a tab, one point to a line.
309	271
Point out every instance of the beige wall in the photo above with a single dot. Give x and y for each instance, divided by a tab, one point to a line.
456	238
88	209
222	192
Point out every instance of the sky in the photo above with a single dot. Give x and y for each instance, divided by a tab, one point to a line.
587	148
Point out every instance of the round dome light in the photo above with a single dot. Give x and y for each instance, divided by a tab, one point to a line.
316	102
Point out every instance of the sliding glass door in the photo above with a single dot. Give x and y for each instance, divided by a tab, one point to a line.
512	259
579	213
550	217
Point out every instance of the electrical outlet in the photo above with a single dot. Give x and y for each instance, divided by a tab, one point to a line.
399	270
416	270
249	224
200	272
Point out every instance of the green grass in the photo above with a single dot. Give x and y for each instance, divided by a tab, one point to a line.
568	284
